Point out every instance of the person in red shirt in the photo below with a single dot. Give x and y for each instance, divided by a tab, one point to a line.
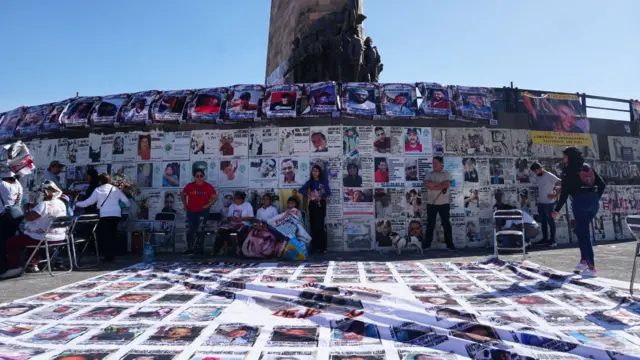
197	198
382	174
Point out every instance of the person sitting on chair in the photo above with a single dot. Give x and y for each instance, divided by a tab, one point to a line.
239	219
35	229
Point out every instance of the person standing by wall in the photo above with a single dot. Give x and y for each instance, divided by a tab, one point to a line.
11	213
546	202
317	189
197	197
108	199
585	187
53	173
437	183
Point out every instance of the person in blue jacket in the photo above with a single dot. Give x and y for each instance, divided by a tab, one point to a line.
317	190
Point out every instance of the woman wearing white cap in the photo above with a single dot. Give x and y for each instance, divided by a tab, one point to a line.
38	220
10	212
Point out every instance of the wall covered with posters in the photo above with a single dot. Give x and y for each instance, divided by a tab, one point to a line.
374	141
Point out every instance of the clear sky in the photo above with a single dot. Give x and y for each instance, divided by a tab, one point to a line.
51	49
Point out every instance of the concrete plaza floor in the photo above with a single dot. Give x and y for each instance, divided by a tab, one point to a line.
613	259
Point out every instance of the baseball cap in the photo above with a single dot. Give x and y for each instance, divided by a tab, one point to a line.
50	185
56	163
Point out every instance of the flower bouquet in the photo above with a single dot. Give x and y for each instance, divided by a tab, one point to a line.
127	186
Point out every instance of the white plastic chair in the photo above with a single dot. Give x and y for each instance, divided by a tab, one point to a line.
515	216
633	223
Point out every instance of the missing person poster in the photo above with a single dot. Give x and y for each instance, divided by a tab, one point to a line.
263	172
357	201
560	113
210	169
358	171
171	106
76	114
78	151
502	171
358	233
388	140
472	102
436	99
415	170
233	172
233	143
149	175
397	100
321	98
335	241
95	148
264	141
294	171
125	146
8	123
243	102
52	122
172	174
475	171
294	141
389	171
207	104
453	164
325	140
204	144
357	140
177	145
417	141
137	110
108	111
389	203
34	117
280	100
157	145
331	169
360	99
498	142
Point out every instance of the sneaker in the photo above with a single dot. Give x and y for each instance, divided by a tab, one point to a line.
590	273
32	269
11	273
582	266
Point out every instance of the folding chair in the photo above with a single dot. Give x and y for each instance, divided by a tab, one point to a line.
633	223
515	216
85	233
164	227
57	223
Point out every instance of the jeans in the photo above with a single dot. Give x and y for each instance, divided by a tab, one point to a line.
8	227
193	221
585	208
432	214
544	212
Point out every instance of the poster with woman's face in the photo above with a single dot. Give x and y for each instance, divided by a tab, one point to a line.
171	106
233	173
137	110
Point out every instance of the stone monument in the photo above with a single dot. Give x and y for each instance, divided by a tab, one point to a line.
320	40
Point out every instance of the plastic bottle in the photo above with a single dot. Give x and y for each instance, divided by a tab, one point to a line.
147	252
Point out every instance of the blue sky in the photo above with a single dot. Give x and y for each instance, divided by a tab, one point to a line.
51	49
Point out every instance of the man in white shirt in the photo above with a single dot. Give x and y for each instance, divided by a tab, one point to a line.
10	217
35	230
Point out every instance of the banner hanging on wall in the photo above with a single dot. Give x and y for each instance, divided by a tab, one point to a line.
635	108
436	99
137	110
561	116
8	123
472	102
171	107
207	104
108	111
34	117
76	114
360	99
281	100
321	98
397	100
244	101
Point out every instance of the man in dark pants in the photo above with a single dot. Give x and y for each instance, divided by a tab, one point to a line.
437	183
547	196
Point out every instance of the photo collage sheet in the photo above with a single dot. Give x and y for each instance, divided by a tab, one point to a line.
330	310
376	174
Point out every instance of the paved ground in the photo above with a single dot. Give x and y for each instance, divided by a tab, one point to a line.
614	261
